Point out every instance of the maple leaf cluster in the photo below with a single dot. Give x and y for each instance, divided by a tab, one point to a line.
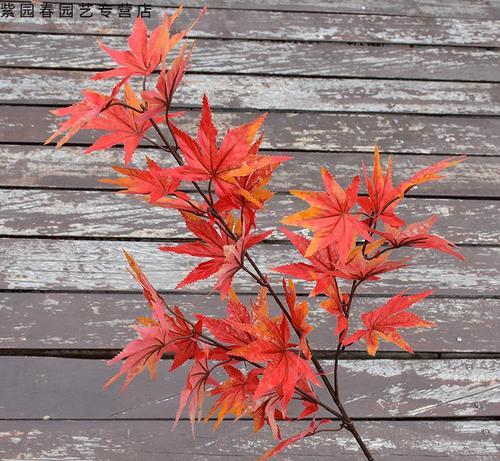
256	361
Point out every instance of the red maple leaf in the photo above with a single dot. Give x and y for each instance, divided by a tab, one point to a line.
248	194
311	430
194	391
363	267
384	321
284	367
145	53
323	263
124	125
330	216
184	337
168	82
417	235
153	181
235	394
225	255
206	161
80	114
334	304
158	335
298	313
146	351
224	330
430	173
382	196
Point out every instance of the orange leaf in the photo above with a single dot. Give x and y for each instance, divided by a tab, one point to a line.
330	216
384	321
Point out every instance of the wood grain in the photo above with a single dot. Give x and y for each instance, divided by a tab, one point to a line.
133	440
276	25
100	214
418	77
381	388
270	58
103	321
443	8
47	167
308	131
272	93
39	264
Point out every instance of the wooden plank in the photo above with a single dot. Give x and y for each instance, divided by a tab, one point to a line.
133	440
266	57
380	388
98	265
443	8
99	214
103	321
47	167
272	93
275	25
309	131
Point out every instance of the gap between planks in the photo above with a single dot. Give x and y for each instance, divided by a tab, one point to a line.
106	354
111	189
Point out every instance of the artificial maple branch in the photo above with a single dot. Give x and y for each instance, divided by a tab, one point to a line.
236	175
214	342
263	281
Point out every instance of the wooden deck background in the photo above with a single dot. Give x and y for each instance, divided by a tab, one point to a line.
418	77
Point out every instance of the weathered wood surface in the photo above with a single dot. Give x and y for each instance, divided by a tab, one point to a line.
54	87
267	57
72	389
99	214
308	131
135	440
444	8
418	77
49	320
45	167
298	26
94	265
